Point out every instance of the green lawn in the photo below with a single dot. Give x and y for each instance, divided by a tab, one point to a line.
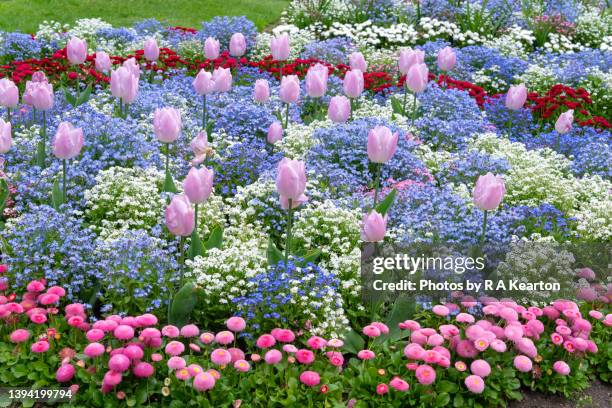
25	15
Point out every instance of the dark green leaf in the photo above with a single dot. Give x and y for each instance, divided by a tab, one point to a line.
353	342
70	98
57	198
274	254
384	206
215	240
182	305
169	185
84	97
4	194
397	106
196	247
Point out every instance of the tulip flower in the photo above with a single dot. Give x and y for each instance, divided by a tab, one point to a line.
76	51
197	187
103	62
488	193
132	65
199	147
563	125
416	81
446	60
211	48
339	109
275	133
289	93
353	83
357	61
290	184
279	46
409	58
124	86
167	125
373	227
516	97
41	97
67	145
6	139
180	221
261	91
222	79
316	81
9	95
237	45
382	144
204	85
151	50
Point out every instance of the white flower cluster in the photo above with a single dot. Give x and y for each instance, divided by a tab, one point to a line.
560	43
51	30
488	78
368	34
594	215
516	42
593	26
298	40
537	78
124	198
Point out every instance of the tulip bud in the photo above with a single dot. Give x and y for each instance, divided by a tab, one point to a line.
279	47
417	78
211	48
199	147
291	178
6	139
151	50
275	133
381	144
564	122
353	83
261	91
289	89
68	141
198	184
39	95
516	97
167	124
488	192
124	84
132	65
374	227
357	61
222	78
103	62
180	217
237	45
446	59
203	83
76	51
316	81
408	58
339	109
9	93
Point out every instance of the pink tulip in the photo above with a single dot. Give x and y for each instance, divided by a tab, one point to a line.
199	147
310	378
374	227
203	382
65	373
291	178
381	144
237	45
475	384
488	192
357	61
211	48
417	78
316	81
275	133
564	122
151	50
261	91
289	89
446	59
222	78
68	141
516	97
409	58
76	51
279	47
167	124
353	83
9	93
6	139
339	109
295	203
124	84
198	184
39	95
103	62
132	65
180	217
203	83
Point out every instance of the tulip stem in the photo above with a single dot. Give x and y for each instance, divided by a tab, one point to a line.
167	159
41	154
352	108
405	99
484	227
64	180
8	113
377	182
289	225
196	218
181	259
286	116
205	116
414	109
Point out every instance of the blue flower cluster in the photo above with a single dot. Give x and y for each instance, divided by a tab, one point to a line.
335	50
222	28
18	46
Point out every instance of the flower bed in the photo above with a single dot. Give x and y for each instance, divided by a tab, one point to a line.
183	211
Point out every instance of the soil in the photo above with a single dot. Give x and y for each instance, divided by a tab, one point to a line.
599	395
